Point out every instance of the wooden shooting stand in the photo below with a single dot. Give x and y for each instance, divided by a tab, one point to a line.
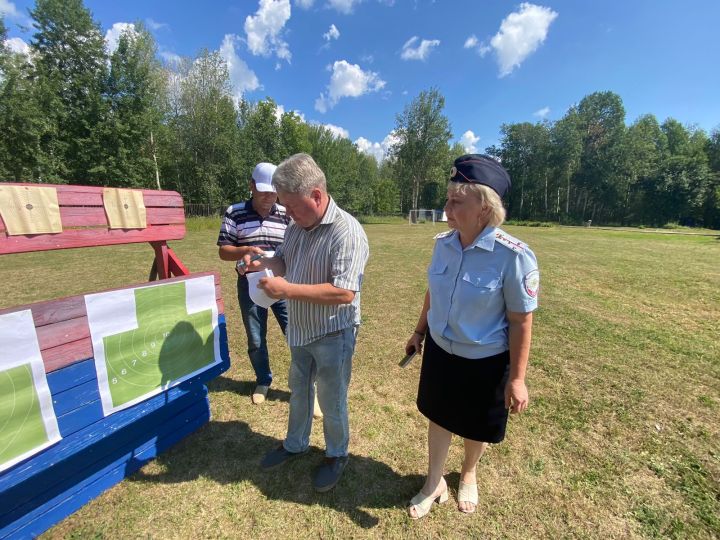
97	450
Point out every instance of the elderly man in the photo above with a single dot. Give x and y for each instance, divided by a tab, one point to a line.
319	270
255	226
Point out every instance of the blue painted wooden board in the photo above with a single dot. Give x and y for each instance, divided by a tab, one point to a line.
97	452
62	505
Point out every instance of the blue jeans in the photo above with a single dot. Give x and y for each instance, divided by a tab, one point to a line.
255	321
329	362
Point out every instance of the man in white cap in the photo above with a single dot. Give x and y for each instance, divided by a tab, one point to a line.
256	226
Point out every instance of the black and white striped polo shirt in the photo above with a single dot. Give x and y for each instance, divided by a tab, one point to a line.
335	251
243	226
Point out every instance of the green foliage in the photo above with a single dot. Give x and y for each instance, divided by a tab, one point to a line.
525	153
134	87
200	157
71	68
590	166
21	121
423	132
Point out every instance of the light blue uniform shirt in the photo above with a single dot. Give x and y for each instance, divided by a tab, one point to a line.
472	288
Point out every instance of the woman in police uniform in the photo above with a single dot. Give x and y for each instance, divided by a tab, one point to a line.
476	323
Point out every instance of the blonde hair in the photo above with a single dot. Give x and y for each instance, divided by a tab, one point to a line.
487	197
299	174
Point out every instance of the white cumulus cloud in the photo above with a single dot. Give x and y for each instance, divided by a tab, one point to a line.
280	110
471	42
17	45
242	78
264	29
347	80
379	150
520	34
542	113
332	33
337	131
469	141
421	52
481	48
112	36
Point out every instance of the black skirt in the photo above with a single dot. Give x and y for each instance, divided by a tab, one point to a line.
465	396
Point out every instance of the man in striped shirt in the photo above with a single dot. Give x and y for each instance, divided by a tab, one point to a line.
322	262
256	226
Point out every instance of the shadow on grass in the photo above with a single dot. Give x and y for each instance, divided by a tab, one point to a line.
230	452
245	388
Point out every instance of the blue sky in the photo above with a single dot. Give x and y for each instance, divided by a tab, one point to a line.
355	64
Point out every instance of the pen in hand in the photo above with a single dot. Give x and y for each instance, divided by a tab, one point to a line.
255	257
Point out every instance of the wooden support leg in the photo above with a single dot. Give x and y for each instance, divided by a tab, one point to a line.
160	266
166	263
176	267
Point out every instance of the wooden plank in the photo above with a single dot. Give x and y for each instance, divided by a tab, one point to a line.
151	199
79	419
52	311
76	238
77	196
83	216
94	216
75	398
90	191
54	335
67	354
56	509
72	376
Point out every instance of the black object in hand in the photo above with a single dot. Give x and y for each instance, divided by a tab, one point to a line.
405	361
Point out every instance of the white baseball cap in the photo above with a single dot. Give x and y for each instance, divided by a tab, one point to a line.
263	176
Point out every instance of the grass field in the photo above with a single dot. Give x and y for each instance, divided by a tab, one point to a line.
621	440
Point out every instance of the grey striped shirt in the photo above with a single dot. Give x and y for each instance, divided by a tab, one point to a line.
335	251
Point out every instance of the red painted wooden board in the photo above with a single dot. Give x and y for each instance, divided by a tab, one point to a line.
62	326
94	216
76	195
76	238
82	206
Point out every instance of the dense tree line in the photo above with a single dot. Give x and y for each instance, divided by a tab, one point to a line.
590	166
71	111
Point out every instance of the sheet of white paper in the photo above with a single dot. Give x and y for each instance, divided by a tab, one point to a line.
257	295
22	418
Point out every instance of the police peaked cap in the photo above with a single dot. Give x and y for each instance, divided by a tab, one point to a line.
481	169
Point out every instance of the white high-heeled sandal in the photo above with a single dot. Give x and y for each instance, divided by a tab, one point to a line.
467	493
422	503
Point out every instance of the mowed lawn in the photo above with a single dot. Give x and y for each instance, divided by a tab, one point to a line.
621	440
